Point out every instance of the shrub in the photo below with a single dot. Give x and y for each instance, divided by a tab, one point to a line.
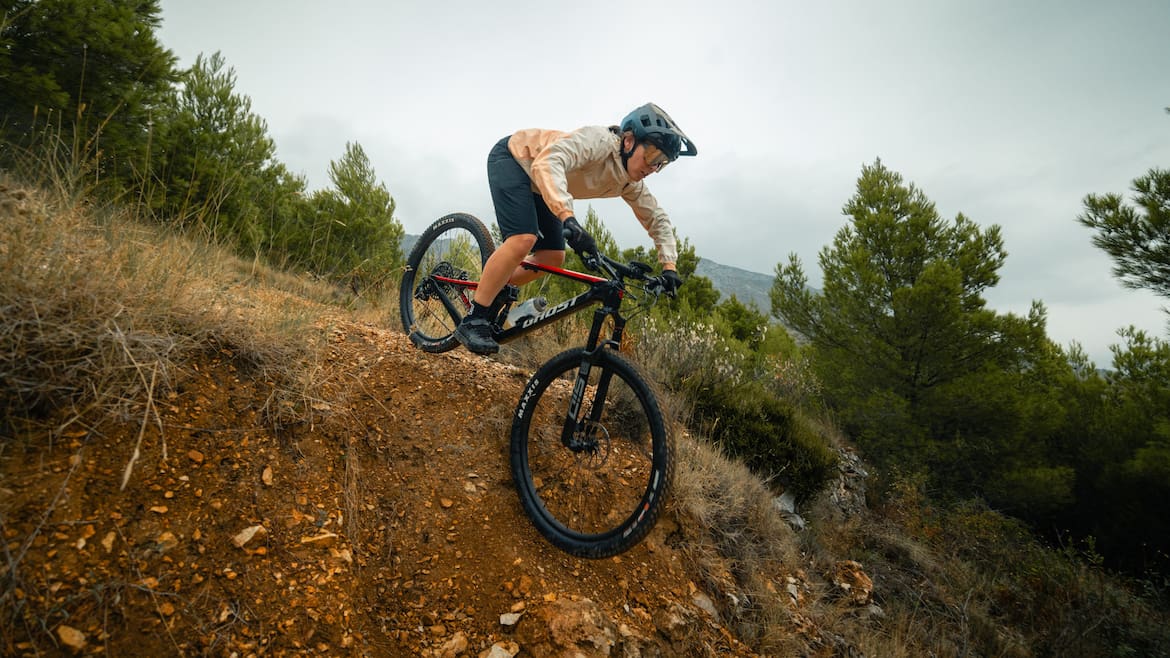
770	435
732	397
100	312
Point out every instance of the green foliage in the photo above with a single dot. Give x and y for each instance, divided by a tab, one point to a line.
745	323
214	164
1123	458
697	297
902	292
1123	461
734	401
90	73
1137	236
1035	491
1068	605
1018	596
900	335
350	234
767	433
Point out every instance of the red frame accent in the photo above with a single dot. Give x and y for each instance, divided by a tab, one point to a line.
572	274
464	283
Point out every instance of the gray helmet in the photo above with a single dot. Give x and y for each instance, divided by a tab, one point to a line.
650	123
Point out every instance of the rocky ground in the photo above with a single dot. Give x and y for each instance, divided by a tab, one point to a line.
385	525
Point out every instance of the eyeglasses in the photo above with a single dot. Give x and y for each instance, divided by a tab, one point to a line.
654	156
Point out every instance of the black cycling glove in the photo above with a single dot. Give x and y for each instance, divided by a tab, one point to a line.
670	282
578	238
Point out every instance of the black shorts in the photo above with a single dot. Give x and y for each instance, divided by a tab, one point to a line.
519	210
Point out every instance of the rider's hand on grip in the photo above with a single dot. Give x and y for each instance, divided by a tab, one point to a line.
578	238
671	282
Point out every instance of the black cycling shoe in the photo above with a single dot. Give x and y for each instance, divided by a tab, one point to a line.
476	335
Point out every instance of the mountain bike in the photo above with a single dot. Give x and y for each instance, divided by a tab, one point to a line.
590	455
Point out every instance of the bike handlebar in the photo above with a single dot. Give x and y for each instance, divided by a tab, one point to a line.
599	262
635	270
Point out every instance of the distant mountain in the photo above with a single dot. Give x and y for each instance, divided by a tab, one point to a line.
747	286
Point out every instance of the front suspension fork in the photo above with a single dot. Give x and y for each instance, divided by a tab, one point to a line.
574	434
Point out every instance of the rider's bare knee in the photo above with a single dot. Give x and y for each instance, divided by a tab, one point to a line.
521	241
553	257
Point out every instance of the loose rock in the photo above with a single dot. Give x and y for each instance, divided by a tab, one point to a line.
246	535
71	637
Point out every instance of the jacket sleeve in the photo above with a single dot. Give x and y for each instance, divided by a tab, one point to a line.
550	167
654	219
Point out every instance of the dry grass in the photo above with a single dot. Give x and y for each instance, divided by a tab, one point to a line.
743	550
968	581
100	312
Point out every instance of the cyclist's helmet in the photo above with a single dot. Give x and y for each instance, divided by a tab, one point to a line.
650	123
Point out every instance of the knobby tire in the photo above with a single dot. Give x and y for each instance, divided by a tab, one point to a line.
457	246
600	501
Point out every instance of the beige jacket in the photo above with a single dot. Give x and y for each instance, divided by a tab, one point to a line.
587	164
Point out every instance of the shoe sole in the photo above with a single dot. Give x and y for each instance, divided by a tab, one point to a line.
482	352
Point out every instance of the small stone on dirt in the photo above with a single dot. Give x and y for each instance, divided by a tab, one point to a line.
454	646
501	650
246	535
71	637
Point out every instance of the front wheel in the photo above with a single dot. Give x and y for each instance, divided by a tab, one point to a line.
593	482
439	281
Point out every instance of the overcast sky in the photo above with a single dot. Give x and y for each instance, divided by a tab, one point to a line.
1008	111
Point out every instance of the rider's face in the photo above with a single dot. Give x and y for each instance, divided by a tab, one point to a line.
637	166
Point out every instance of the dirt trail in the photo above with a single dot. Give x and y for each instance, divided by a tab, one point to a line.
386	526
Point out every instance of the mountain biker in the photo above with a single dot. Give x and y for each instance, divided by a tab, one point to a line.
535	174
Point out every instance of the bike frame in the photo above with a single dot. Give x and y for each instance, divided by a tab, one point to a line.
607	292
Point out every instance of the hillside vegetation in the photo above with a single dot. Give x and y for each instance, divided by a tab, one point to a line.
204	456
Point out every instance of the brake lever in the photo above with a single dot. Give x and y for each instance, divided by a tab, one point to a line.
656	287
592	263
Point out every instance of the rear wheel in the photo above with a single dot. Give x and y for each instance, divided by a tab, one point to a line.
593	487
439	282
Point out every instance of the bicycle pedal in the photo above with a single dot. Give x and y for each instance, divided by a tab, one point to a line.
509	294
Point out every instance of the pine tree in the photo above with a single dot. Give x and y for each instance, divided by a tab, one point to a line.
354	237
85	78
1136	236
1123	452
922	373
214	165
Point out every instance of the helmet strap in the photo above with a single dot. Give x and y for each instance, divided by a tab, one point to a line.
626	154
